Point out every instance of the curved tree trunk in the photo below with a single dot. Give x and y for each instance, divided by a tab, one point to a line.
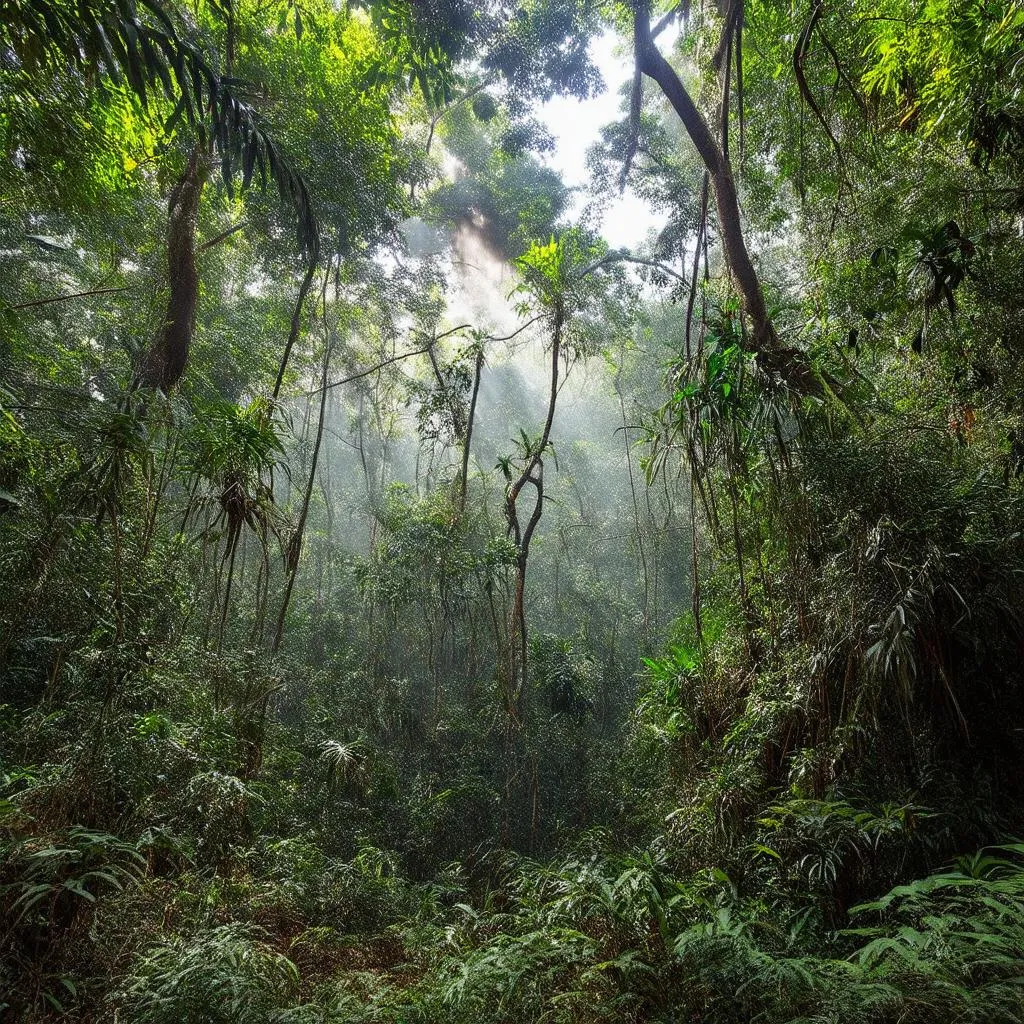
167	357
763	340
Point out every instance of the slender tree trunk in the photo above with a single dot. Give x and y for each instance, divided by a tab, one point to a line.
519	650
295	543
517	639
229	555
166	467
296	325
702	229
695	595
468	439
636	507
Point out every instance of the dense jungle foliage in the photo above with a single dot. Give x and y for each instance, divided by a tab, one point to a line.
414	608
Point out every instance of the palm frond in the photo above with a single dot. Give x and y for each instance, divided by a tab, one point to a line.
142	46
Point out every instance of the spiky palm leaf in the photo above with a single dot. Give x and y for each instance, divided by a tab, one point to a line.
140	44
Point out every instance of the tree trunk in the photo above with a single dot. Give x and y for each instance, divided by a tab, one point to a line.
532	474
295	543
468	438
167	357
296	324
763	340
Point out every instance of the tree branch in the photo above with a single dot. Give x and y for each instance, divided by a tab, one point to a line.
296	325
619	255
217	239
387	362
680	10
64	298
799	58
762	340
854	91
519	330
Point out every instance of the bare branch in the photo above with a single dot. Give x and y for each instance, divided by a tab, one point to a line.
407	355
296	325
217	239
620	255
64	298
519	330
799	58
681	10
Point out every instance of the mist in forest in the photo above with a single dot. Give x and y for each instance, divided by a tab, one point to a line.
351	675
610	557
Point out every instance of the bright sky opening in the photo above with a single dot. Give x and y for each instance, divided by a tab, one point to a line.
576	125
